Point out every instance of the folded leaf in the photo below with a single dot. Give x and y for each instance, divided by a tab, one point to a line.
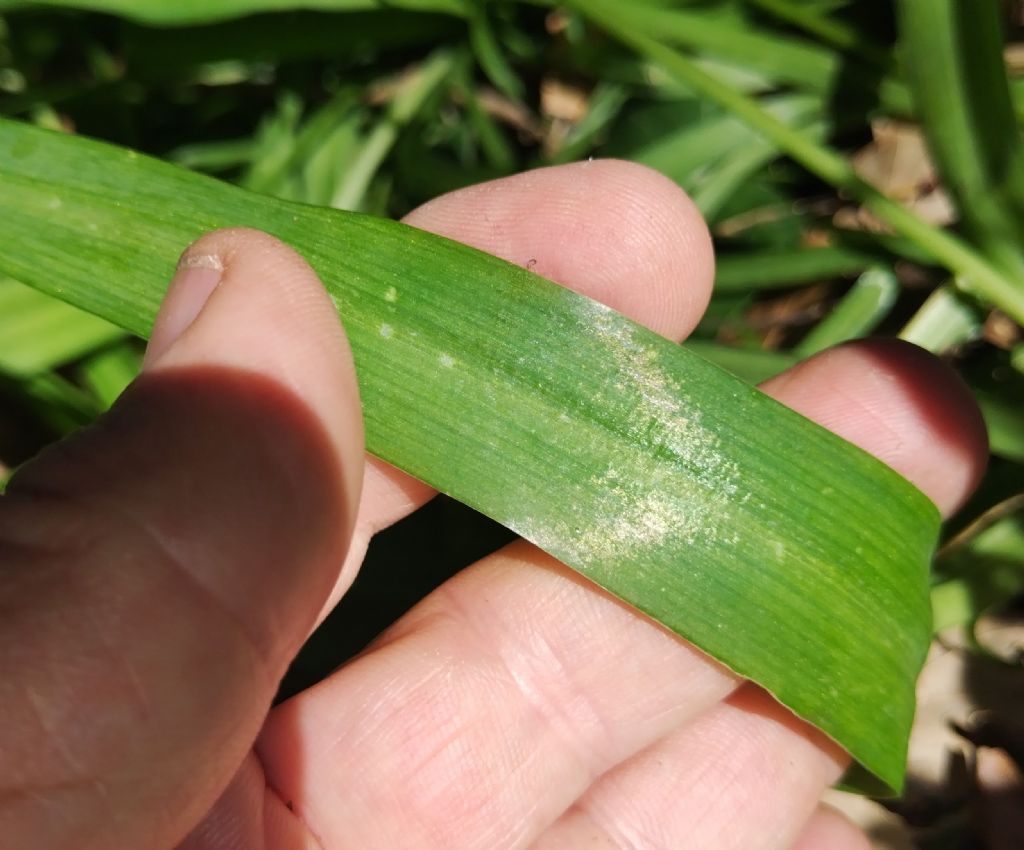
791	556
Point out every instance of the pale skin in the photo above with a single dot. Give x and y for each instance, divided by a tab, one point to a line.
161	569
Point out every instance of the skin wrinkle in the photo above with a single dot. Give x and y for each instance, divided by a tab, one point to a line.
720	763
118	660
545	708
427	772
633	839
429	824
14	798
311	839
85	550
169	559
382	716
71	766
556	721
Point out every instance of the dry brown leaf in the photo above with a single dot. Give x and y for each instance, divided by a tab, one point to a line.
563	105
1013	55
778	316
511	112
563	101
897	163
1001	331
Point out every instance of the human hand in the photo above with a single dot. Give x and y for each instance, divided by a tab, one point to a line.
163	567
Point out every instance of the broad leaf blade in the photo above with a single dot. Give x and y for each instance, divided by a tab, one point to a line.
791	556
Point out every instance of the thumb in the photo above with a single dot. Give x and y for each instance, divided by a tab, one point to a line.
162	567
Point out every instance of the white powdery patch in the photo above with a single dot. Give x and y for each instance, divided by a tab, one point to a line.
664	416
641	501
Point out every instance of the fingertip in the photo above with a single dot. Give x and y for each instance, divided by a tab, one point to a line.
615	231
901	404
243	299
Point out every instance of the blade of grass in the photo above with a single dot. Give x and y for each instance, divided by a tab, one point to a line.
39	333
497	150
953	53
54	401
986	569
752	365
973	271
685	138
1004	417
716	189
732	520
603	107
755	270
107	373
828	29
180	12
783	59
944	321
427	78
490	55
158	54
214	156
274	146
859	312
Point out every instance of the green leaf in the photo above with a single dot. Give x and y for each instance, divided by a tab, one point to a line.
784	59
986	566
953	53
410	98
791	556
181	12
945	320
491	55
107	373
859	312
39	333
1004	418
829	29
752	365
747	272
56	402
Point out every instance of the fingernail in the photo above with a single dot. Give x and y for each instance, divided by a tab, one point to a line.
198	275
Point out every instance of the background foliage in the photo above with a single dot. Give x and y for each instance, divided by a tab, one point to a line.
859	164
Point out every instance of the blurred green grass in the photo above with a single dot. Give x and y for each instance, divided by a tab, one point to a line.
381	106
